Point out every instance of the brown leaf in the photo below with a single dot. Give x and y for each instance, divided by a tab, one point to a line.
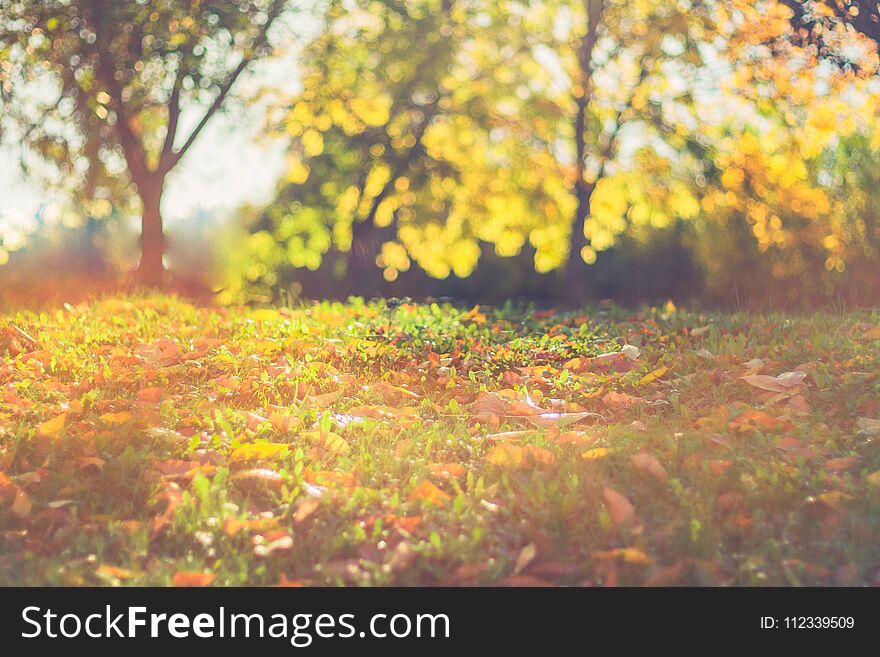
151	395
782	383
620	401
21	504
258	477
842	464
620	509
649	464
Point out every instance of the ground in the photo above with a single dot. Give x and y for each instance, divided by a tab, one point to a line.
144	440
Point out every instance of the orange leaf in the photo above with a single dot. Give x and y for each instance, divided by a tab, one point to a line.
627	555
453	470
752	420
429	493
719	466
185	578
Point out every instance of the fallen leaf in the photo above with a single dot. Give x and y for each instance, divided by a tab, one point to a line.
596	453
620	400
649	464
430	494
305	508
525	557
117	418
113	572
254	451
782	383
719	466
258	477
332	442
151	395
620	509
51	428
21	504
514	456
559	419
650	377
627	555
186	578
752	420
842	463
454	470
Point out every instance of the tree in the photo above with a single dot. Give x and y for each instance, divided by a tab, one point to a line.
97	90
444	125
819	23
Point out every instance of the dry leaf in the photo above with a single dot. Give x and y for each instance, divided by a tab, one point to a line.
620	509
51	428
526	556
649	464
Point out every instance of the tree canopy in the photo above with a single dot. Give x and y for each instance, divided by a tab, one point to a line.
96	91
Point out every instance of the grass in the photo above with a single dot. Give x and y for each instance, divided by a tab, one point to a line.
146	441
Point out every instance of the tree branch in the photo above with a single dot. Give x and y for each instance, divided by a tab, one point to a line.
249	55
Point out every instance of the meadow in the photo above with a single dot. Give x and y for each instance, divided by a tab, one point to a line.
145	440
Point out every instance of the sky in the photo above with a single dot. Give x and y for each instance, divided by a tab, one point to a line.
230	164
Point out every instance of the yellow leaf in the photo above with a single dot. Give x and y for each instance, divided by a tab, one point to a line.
116	418
258	451
51	428
874	479
653	376
627	555
330	441
513	456
596	453
113	571
834	499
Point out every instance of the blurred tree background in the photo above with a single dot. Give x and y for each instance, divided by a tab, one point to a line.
719	151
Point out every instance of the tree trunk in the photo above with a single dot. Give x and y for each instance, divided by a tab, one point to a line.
573	288
364	276
151	270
